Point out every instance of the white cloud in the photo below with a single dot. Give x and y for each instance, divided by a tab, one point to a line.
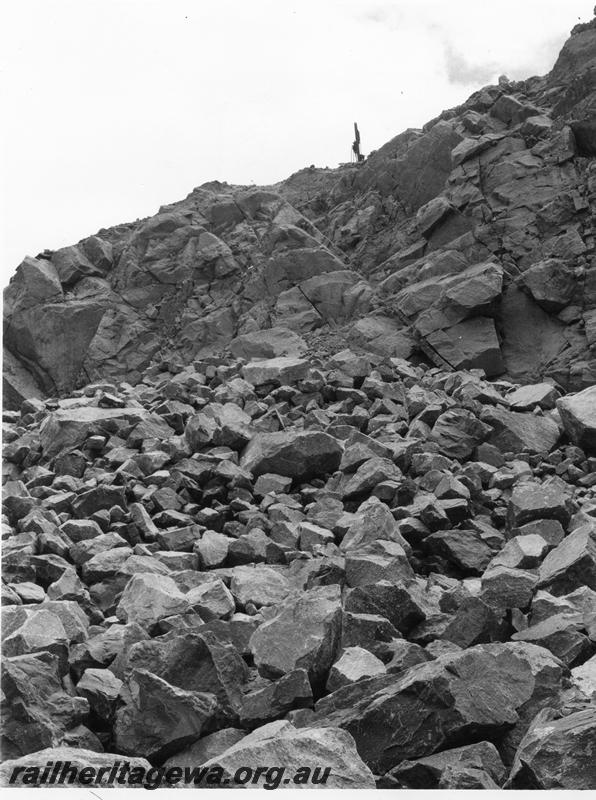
460	70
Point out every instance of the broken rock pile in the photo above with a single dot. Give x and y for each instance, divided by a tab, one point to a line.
378	567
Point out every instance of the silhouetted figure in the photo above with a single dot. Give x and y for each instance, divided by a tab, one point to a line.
356	144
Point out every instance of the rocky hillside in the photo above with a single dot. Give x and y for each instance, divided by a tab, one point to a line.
469	243
389	572
282	489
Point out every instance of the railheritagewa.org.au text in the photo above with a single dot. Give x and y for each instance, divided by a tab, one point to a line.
123	774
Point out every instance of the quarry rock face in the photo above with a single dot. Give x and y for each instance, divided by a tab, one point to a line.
472	238
305	475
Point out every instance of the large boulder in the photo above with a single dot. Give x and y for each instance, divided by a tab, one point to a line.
147	598
53	338
68	428
515	432
48	334
282	370
219	425
472	344
551	283
458	431
72	264
29	769
426	773
293	454
160	718
354	664
571	564
532	501
533	340
557	753
334	297
438	304
37	630
34	682
479	693
18	384
304	634
284	270
36	281
305	756
196	662
526	398
578	414
371	523
259	585
269	343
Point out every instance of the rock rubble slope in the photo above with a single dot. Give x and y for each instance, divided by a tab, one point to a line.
306	476
390	562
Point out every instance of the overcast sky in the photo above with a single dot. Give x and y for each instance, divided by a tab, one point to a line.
115	107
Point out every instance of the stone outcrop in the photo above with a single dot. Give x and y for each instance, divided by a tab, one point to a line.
469	241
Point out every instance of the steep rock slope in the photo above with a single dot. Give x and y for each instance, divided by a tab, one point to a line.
469	242
293	553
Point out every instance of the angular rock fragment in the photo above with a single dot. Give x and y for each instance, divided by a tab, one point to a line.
300	752
293	454
220	425
471	344
372	522
578	414
22	771
303	635
212	600
206	748
195	661
562	635
268	344
355	663
543	395
101	688
480	691
514	432
504	587
148	598
464	548
571	564
400	603
282	370
556	753
291	691
427	773
261	586
584	677
160	718
457	432
33	682
38	631
531	501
